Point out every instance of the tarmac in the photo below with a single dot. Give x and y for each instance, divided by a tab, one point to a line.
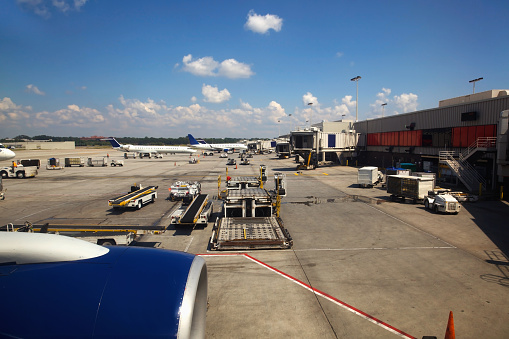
361	265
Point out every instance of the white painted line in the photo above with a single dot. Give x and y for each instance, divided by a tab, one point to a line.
187	247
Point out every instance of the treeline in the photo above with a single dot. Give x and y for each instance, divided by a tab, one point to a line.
123	140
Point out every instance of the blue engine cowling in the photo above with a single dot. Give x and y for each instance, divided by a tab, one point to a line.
97	292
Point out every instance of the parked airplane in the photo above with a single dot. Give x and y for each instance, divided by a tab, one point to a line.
5	153
152	149
201	144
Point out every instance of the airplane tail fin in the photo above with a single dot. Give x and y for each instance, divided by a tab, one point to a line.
114	143
192	140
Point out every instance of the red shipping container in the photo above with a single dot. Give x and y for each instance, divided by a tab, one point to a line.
456	136
471	135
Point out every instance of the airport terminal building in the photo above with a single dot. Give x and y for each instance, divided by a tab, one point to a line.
464	141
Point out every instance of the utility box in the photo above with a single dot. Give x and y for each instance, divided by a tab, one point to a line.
406	186
74	162
369	176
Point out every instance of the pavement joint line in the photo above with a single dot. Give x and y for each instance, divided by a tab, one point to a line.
410	225
187	247
377	248
336	301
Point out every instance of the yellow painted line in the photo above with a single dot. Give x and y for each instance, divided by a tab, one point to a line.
324	173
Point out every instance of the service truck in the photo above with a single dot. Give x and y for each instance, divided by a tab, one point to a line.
2	192
369	176
31	162
406	186
441	202
18	171
138	197
184	190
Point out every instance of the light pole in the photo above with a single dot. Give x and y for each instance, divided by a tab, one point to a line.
310	120
278	128
356	79
383	108
474	81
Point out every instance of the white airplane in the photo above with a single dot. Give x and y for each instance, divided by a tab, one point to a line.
5	153
202	145
152	149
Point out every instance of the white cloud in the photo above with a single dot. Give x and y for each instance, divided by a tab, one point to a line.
407	102
263	23
207	66
233	69
309	98
33	89
194	99
339	54
212	94
44	8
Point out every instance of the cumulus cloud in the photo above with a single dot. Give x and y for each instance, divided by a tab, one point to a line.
263	23
212	94
406	101
44	8
309	98
33	89
207	66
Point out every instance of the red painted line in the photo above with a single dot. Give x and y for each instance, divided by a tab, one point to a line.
320	293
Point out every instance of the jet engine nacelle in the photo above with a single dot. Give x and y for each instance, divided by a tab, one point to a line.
59	287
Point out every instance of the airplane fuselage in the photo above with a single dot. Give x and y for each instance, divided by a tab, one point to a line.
5	153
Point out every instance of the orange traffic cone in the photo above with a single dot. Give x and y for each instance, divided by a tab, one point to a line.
449	332
235	166
175	164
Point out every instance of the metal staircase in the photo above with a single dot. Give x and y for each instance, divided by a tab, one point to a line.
459	164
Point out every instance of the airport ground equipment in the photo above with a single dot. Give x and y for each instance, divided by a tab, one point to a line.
208	153
115	163
76	161
442	202
231	161
53	164
101	161
91	289
406	186
280	184
237	183
195	213
31	162
18	171
245	161
369	176
138	197
223	155
184	190
248	222
283	150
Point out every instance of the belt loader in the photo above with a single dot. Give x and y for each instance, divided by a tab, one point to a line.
138	197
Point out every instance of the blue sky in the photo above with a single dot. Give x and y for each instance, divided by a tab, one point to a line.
237	68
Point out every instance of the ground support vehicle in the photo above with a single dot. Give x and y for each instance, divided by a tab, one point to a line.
223	155
18	171
406	186
184	190
208	153
369	176
195	213
54	164
78	161
231	161
138	197
442	202
248	222
31	162
245	161
97	162
117	162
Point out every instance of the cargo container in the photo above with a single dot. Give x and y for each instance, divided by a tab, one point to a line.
74	162
97	162
406	186
369	176
31	162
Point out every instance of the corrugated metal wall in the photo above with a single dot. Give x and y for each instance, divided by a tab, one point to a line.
488	112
